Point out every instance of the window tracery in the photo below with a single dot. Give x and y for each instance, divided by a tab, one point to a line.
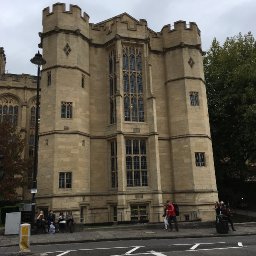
133	84
9	110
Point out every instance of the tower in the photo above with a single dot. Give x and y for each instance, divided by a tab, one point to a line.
194	182
64	147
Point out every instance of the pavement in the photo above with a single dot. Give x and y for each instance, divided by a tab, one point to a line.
131	232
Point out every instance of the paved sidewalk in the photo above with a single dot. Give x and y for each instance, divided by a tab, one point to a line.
130	232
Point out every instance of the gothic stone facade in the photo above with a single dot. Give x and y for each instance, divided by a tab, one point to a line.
17	103
124	122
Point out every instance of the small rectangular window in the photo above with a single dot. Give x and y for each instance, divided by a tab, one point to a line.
65	180
194	98
82	81
49	78
66	109
200	158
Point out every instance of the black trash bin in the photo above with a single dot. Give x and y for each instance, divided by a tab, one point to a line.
222	224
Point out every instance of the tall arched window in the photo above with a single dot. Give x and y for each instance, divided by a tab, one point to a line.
9	110
132	84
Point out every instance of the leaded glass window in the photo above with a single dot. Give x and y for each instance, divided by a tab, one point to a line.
200	158
49	78
112	86
66	109
114	177
194	98
65	180
136	163
9	110
132	84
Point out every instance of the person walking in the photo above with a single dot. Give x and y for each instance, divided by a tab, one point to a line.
225	210
166	224
172	216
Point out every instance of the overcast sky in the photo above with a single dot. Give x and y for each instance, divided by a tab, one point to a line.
21	20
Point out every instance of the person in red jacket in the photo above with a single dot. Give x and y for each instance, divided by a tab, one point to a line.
172	216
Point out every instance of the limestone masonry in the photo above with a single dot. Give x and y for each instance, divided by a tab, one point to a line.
124	122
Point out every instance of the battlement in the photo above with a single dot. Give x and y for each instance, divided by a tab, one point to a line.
181	25
61	8
18	80
60	17
181	33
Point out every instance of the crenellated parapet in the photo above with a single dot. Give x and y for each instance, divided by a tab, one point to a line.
68	20
14	80
181	35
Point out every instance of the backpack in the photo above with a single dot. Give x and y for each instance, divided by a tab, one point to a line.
177	210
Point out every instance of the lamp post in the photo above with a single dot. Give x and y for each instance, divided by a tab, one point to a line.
39	61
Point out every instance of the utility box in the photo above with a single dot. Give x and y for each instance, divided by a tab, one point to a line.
12	223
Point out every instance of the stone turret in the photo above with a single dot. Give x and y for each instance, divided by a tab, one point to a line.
2	61
64	121
188	122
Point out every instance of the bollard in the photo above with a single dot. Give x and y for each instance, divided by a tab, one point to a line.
24	237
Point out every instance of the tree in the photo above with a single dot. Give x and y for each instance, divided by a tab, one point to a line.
15	168
230	74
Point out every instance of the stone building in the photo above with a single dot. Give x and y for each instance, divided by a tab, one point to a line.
17	103
123	119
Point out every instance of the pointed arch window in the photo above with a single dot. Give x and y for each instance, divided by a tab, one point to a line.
133	84
9	110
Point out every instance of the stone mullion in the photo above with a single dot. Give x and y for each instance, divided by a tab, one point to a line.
119	88
121	164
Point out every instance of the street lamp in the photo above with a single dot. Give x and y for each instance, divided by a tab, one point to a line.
39	61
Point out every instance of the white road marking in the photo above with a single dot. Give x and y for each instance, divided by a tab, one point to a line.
144	253
132	250
194	247
181	244
211	249
157	253
64	253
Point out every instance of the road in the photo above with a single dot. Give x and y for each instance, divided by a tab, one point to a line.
219	246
